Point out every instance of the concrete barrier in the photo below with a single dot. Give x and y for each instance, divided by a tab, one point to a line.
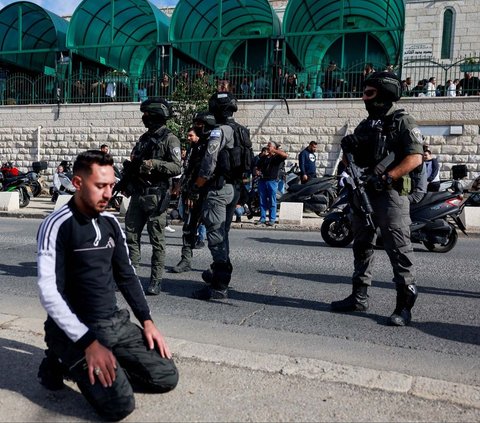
61	200
291	213
9	201
472	217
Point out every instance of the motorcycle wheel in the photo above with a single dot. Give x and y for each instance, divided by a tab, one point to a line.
23	197
443	248
36	188
336	233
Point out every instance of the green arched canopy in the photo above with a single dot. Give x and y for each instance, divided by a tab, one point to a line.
30	36
121	34
211	30
312	26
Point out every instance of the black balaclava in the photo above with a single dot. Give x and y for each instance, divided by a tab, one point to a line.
153	121
378	106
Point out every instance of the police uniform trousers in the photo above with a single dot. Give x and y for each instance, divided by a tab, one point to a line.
231	211
392	216
192	217
144	210
215	219
147	369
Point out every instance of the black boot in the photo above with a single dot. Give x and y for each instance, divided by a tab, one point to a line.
406	297
50	372
217	277
184	265
207	275
356	301
155	287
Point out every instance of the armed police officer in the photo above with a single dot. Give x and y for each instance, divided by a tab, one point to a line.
387	131
155	158
203	123
220	183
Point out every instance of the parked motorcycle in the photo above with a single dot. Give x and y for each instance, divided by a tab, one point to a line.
32	181
435	220
316	195
18	184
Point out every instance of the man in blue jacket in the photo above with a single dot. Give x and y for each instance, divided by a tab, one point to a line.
307	162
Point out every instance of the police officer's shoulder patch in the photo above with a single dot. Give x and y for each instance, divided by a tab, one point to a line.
213	145
177	152
417	135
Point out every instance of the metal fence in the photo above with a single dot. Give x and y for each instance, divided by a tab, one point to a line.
325	81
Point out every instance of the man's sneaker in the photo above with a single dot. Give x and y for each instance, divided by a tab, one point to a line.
169	229
199	245
260	222
50	374
182	266
269	223
154	288
206	293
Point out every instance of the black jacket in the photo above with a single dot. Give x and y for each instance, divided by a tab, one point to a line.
80	261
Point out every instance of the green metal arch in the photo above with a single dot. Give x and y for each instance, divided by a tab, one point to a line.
210	31
120	33
30	36
312	26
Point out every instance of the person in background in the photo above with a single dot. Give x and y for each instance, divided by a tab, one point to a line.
158	154
82	259
268	169
432	169
307	161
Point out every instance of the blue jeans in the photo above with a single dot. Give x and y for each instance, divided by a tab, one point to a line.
202	232
267	190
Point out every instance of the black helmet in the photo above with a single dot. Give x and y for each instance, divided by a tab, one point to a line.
207	118
388	85
222	104
157	106
208	121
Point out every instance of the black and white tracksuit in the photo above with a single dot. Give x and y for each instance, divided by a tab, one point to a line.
80	262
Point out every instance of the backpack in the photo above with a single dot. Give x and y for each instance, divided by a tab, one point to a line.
241	155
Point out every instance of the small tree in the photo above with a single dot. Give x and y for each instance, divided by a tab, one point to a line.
189	98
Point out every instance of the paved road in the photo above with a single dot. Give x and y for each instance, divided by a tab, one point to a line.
275	332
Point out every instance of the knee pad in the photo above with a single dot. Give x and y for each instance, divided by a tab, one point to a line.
362	251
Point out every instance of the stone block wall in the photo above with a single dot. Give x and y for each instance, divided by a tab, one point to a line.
73	128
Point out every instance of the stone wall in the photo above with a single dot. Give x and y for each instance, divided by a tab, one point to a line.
424	25
66	132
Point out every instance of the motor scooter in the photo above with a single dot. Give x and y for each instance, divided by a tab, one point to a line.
435	220
18	184
316	195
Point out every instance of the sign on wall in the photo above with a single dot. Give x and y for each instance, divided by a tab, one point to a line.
417	51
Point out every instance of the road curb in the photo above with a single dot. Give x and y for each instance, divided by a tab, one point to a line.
390	381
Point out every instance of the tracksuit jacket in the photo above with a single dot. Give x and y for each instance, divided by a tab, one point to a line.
81	260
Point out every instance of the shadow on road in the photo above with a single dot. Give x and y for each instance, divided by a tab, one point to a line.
451	331
19	365
27	269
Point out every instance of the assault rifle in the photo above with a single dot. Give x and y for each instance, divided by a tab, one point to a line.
131	179
358	189
358	183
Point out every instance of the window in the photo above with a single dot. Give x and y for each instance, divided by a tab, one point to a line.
447	36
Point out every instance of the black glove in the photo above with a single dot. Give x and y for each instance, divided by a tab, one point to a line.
194	194
350	143
382	182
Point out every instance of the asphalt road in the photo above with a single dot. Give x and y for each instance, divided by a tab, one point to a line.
282	285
